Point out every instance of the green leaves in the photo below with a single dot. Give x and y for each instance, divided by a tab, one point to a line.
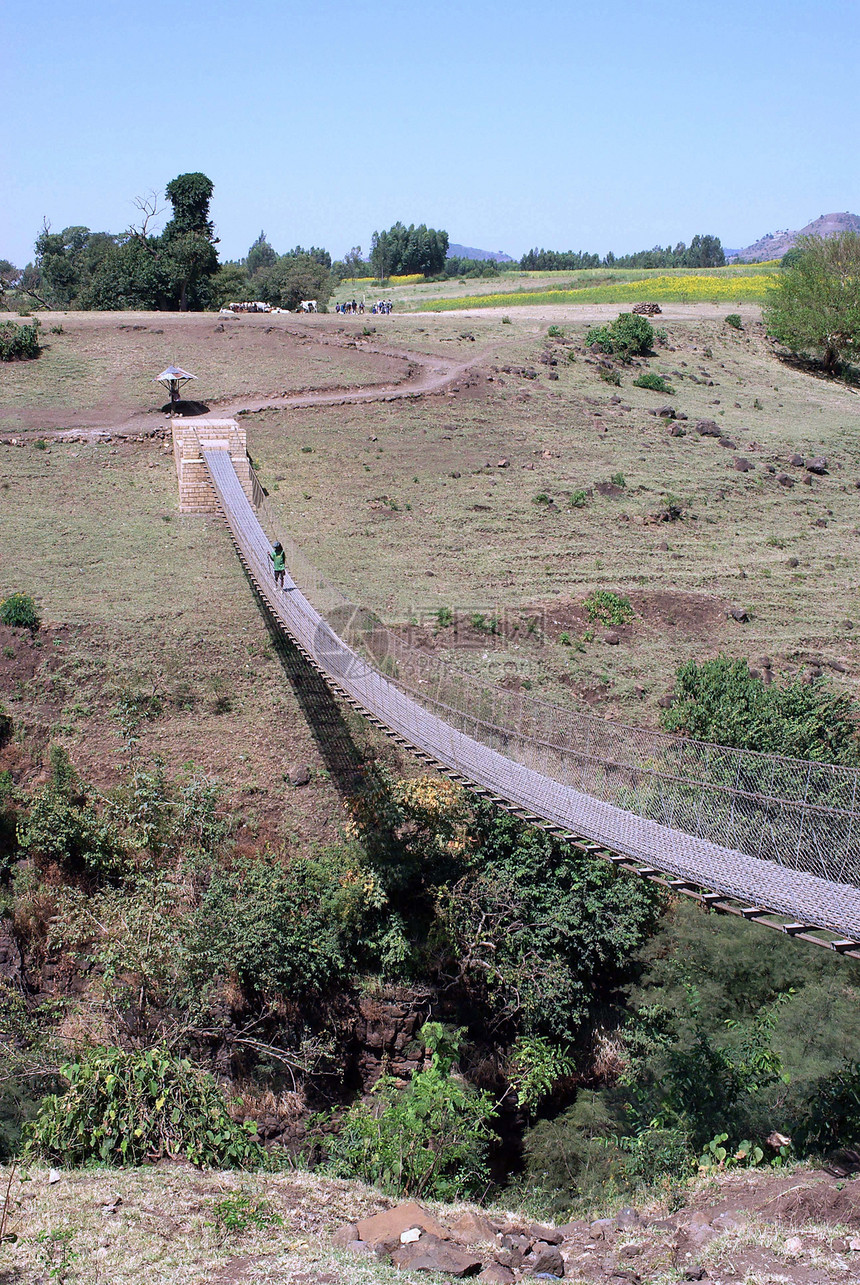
133	1108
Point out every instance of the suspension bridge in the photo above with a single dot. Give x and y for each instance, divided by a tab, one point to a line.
771	839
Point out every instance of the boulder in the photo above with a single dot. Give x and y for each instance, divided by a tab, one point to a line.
796	460
666	412
345	1235
472	1229
676	430
388	1226
430	1254
544	1260
818	464
708	428
739	614
743	465
785	479
299	774
728	443
496	1274
549	1235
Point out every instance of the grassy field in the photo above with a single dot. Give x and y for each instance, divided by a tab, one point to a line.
460	503
406	507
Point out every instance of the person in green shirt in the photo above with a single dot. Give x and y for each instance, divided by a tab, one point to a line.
279	563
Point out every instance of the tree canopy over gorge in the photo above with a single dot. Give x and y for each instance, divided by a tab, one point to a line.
814	305
401	251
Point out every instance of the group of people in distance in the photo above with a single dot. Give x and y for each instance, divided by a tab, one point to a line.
381	308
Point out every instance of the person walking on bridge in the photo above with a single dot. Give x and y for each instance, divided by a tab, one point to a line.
279	563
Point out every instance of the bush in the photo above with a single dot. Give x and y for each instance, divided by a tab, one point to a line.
136	1108
283	929
608	608
721	701
610	375
428	1140
578	499
627	336
656	383
734	320
62	826
20	612
19	343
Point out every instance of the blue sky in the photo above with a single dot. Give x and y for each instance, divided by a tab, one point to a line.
597	126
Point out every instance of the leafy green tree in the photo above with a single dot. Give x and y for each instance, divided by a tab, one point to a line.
704	252
403	251
721	701
230	284
188	241
260	255
813	307
291	279
133	276
539	935
287	929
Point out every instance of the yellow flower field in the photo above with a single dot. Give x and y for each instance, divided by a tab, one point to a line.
692	288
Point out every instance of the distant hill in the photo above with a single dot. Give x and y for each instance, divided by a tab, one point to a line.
775	244
468	252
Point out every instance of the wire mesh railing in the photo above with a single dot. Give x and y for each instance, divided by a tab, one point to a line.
802	815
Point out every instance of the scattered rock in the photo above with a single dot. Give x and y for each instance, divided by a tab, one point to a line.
739	614
785	479
612	639
854	1245
666	412
504	463
821	521
345	1235
818	464
601	1227
54	1176
728	443
300	774
496	1274
708	428
743	465
796	460
676	430
793	1246
391	1223
793	562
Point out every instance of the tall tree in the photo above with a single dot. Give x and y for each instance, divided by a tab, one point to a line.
260	255
188	241
814	305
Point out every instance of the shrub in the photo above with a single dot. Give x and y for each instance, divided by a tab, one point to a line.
627	336
542	499
283	929
632	336
135	1108
238	1213
428	1140
62	826
618	479
578	499
610	375
721	701
506	321
19	343
734	320
656	383
555	332
20	611
608	607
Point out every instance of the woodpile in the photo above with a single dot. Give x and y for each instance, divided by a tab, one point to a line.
648	309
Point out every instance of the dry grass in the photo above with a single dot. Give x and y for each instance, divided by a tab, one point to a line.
405	506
